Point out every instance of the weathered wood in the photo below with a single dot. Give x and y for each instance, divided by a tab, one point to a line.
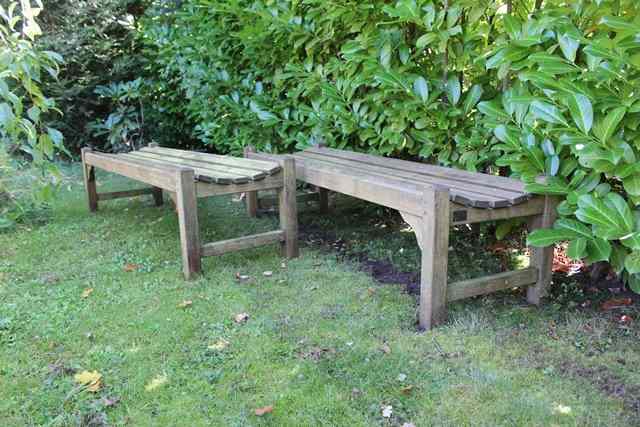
489	284
187	207
237	175
124	194
89	175
476	194
542	258
289	208
435	253
323	199
241	243
389	192
270	201
465	215
163	177
268	167
157	196
205	189
202	174
494	181
251	197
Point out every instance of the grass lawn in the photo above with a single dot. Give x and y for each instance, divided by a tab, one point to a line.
323	345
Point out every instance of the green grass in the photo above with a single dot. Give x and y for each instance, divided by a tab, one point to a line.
312	347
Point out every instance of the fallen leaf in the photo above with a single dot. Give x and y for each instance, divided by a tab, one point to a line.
408	425
87	292
407	389
387	411
185	304
91	379
371	291
267	273
241	317
219	345
242	277
385	348
264	410
129	267
158	381
616	303
624	319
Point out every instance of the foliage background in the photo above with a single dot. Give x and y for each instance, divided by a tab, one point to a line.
528	88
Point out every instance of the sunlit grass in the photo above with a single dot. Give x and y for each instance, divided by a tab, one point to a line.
324	344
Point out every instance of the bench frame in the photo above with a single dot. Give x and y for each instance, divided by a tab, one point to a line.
430	214
181	185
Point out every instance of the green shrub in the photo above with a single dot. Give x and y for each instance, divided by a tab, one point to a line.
98	40
531	87
25	134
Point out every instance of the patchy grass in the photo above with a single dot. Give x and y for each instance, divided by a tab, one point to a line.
324	344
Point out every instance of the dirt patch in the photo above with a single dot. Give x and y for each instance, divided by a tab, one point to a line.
383	271
607	382
601	377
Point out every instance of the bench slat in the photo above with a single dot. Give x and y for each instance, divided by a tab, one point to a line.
203	175
242	164
162	176
457	195
232	173
493	181
477	193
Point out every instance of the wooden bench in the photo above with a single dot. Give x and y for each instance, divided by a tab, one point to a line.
431	199
187	176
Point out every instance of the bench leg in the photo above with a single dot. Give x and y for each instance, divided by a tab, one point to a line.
434	234
187	208
324	200
251	197
289	209
89	174
542	258
157	196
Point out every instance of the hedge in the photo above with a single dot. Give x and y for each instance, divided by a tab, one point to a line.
535	88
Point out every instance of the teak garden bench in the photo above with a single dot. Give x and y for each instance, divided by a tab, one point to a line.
431	199
187	176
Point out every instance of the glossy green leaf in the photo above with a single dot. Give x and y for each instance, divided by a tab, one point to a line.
547	112
605	128
421	89
548	236
581	111
453	89
472	98
577	249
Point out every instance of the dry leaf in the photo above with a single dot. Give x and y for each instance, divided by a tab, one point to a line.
267	273
371	291
219	345
129	267
185	304
616	303
241	318
385	348
264	410
242	277
158	381
407	389
92	380
387	411
624	319
87	292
